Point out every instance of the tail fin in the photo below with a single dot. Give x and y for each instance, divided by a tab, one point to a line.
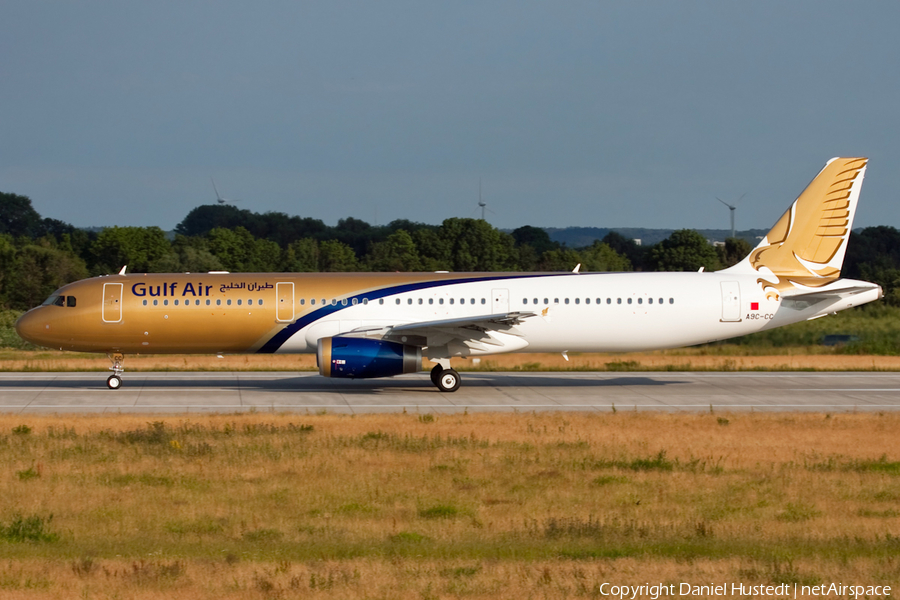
806	246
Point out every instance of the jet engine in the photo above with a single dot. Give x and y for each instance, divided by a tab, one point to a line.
361	358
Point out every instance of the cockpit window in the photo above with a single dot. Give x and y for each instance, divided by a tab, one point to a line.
56	300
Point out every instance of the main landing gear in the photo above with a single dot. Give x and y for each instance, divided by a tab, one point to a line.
446	380
114	381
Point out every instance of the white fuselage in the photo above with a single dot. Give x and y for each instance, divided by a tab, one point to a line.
605	312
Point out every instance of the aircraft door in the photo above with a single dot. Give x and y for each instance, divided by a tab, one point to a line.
111	310
499	301
284	302
731	301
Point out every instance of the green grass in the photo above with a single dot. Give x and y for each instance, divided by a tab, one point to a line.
280	503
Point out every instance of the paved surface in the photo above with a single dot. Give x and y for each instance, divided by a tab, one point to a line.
282	392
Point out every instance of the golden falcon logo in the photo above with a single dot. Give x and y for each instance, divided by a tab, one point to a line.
800	247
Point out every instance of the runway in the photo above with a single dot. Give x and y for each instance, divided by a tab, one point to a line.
216	392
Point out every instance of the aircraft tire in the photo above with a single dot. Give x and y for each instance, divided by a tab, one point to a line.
435	373
114	382
448	381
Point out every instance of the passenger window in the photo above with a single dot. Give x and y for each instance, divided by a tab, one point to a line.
70	301
397	301
618	301
471	300
587	300
145	303
176	303
228	302
155	302
355	302
567	300
343	302
302	301
640	300
556	301
431	301
409	300
546	300
671	300
207	301
250	302
660	300
312	301
218	302
259	301
462	300
239	301
451	300
420	301
483	301
165	302
440	300
324	302
534	300
577	300
649	300
381	301
629	301
333	302
365	301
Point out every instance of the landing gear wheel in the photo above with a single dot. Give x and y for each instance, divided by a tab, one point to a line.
435	373
115	380
448	381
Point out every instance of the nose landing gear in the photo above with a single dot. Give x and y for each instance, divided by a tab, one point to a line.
114	381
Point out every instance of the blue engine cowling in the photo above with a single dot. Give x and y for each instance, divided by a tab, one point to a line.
365	358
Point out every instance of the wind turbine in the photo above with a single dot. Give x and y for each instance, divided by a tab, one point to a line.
219	198
732	209
482	204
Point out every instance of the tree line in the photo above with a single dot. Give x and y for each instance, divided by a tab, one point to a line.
38	255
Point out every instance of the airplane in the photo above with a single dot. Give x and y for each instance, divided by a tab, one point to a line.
364	325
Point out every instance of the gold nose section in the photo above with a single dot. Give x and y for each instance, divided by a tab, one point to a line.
31	327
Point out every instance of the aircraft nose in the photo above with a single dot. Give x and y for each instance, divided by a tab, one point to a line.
30	326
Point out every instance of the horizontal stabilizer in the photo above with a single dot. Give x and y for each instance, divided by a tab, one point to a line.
839	289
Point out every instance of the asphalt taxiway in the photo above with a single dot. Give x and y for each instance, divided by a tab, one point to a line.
221	392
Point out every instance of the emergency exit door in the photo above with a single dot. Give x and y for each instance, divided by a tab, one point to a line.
284	302
111	311
499	301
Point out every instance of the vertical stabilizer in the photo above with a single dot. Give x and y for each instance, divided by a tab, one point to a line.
806	247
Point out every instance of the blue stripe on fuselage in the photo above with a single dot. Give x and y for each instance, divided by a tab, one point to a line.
282	336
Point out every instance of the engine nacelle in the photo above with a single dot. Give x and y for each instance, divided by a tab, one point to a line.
361	358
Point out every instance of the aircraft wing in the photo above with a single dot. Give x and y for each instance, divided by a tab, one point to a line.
499	320
457	337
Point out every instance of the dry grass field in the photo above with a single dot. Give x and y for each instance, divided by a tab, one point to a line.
450	506
734	358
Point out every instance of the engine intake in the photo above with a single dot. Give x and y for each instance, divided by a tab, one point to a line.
362	358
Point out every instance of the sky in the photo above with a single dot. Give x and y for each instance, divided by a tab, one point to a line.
600	114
